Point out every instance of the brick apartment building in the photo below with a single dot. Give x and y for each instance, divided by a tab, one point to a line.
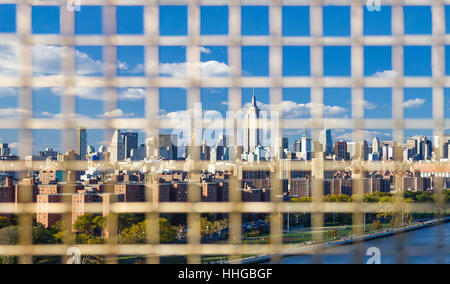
7	193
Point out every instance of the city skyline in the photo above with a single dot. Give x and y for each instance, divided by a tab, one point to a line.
296	62
224	132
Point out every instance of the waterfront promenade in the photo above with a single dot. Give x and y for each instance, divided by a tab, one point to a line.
303	250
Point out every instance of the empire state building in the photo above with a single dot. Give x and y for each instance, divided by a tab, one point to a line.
252	132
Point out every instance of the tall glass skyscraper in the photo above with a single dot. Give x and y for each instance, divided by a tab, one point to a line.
326	140
81	142
130	142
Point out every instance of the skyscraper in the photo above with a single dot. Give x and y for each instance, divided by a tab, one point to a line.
116	149
327	141
376	145
4	149
422	148
252	135
306	148
340	150
130	142
298	146
167	146
280	145
364	150
81	142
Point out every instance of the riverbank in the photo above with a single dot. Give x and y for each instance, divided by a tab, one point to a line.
310	249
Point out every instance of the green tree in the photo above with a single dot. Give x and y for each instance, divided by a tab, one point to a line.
89	229
4	222
42	235
331	235
376	225
219	225
206	227
301	199
136	233
128	220
180	231
9	235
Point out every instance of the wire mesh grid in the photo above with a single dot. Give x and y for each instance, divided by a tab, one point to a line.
193	82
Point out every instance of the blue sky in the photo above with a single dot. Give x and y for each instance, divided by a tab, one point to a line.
255	62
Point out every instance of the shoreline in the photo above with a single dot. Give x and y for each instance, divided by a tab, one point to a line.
296	250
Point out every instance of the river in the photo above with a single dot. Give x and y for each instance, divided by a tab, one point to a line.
424	246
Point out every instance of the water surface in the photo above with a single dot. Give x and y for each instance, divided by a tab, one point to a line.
424	246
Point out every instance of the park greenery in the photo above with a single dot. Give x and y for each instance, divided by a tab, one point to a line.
93	229
132	228
382	197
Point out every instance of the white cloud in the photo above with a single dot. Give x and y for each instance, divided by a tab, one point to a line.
8	92
84	93
129	94
292	109
369	135
386	74
12	112
47	61
369	105
8	60
413	103
116	114
123	66
59	116
210	68
174	115
214	68
205	50
295	110
173	69
86	65
330	111
13	145
132	94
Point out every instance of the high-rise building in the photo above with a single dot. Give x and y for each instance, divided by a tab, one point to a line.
167	147
298	146
281	145
353	148
81	142
358	150
364	150
306	148
205	151
326	140
221	151
4	149
376	145
116	149
446	153
419	148
90	150
130	142
252	133
340	150
152	147
387	151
